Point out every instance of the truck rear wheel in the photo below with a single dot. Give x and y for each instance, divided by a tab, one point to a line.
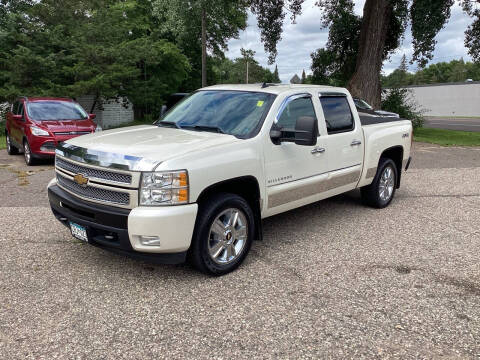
223	234
381	191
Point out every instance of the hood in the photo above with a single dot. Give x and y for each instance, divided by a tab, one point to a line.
67	125
150	142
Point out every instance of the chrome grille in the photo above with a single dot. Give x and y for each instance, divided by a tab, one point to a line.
93	173
94	193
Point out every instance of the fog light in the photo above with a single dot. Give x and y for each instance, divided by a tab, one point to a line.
149	240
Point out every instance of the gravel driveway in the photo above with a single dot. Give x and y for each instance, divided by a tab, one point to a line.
332	279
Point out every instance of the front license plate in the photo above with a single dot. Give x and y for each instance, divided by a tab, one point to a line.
79	232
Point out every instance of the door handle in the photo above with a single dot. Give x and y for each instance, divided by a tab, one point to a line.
317	150
355	143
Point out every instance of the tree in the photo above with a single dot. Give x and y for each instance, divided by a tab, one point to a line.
210	23
403	64
335	64
228	71
454	71
304	77
102	47
380	31
213	23
276	78
400	76
247	58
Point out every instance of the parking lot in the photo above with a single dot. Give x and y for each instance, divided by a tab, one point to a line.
330	279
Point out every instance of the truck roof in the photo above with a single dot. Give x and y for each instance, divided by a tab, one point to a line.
271	88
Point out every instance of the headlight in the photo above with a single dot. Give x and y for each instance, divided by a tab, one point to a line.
38	132
164	188
98	128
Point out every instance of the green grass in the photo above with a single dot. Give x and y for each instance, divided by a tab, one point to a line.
452	117
3	144
447	137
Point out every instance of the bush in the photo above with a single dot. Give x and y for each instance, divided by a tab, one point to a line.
399	101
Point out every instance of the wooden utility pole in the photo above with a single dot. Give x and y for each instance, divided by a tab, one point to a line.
246	79
204	47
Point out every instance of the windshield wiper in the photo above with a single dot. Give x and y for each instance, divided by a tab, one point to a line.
169	124
204	128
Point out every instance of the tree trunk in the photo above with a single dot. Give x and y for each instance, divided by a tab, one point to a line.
204	48
365	82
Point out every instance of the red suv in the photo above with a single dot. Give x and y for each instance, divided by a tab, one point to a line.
36	126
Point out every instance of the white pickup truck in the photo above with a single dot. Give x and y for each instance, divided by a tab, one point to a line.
198	182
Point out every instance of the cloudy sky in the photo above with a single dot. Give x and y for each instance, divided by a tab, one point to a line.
300	39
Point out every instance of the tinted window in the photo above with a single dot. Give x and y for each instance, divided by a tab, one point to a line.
55	110
337	113
295	109
232	112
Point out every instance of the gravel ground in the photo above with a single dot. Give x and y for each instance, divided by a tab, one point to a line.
332	279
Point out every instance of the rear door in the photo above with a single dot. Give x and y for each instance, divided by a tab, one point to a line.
16	125
344	142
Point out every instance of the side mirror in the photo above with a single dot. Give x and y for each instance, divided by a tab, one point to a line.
163	110
306	131
92	116
18	117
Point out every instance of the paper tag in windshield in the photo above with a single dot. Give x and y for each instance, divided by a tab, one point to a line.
259	103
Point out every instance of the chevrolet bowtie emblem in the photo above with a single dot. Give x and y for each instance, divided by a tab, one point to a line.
81	180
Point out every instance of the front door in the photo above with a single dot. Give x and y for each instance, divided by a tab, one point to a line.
293	171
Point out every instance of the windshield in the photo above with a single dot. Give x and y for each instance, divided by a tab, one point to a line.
362	104
236	113
55	110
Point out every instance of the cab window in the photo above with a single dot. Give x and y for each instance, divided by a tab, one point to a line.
295	109
338	116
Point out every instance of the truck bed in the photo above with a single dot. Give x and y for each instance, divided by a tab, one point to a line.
371	120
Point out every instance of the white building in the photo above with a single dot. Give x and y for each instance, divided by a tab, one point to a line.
111	113
449	99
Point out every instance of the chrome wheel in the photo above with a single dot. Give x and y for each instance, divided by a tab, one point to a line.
386	184
26	151
227	236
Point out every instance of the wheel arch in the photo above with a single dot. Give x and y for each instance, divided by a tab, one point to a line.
395	153
246	187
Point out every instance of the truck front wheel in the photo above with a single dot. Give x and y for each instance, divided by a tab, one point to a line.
223	234
381	191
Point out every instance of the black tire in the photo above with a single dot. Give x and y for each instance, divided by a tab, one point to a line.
208	212
27	153
11	149
371	193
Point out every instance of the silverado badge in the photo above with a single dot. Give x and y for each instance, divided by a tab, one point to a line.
81	180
